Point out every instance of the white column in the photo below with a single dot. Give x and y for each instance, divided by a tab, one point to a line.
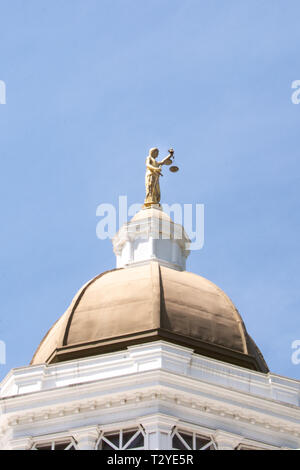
226	440
158	430
86	437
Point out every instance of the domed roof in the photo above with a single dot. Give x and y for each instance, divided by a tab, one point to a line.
151	302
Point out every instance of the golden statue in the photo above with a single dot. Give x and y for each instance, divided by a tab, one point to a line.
153	172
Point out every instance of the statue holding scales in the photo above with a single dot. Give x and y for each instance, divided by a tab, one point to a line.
153	172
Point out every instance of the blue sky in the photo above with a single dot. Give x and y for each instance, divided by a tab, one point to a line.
91	86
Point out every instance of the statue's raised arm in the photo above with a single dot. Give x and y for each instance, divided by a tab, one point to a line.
168	159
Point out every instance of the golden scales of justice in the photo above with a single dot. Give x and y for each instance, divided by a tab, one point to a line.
172	168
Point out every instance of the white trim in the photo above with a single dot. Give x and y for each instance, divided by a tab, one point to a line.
157	377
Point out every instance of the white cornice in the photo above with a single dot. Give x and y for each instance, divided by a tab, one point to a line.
158	375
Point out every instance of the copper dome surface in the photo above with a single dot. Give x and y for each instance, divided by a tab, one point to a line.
140	304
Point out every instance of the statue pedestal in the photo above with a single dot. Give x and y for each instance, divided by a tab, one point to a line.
151	235
148	205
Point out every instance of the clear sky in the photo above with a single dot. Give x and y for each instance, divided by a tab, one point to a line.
91	86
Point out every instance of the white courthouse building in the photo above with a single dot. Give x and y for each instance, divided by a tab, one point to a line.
149	356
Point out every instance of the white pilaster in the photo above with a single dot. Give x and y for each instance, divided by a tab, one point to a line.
226	440
158	430
23	443
86	437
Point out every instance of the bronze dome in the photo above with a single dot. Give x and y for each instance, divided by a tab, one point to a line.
140	304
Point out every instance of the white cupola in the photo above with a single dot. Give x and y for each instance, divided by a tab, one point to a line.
151	235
